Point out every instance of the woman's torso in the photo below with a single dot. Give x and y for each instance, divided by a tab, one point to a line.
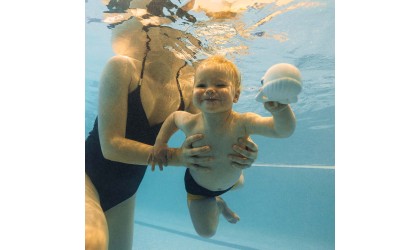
117	181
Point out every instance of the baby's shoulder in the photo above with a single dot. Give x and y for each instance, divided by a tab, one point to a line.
183	117
183	114
246	117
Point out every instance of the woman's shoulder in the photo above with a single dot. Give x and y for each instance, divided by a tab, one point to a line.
122	67
121	71
123	62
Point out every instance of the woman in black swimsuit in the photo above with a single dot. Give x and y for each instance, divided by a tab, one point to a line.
139	88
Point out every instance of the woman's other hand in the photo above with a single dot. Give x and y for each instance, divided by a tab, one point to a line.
192	157
247	153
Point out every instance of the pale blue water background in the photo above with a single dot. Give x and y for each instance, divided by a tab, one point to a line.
288	198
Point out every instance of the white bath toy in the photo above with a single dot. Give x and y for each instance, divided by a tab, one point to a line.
281	83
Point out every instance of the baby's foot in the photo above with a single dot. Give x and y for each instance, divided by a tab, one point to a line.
229	215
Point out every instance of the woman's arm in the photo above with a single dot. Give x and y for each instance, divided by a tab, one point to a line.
160	149
112	114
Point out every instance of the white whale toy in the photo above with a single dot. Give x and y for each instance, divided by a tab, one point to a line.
281	83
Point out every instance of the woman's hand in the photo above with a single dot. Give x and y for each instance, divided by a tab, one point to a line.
248	153
192	157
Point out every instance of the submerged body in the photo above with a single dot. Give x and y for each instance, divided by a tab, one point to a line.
221	140
216	88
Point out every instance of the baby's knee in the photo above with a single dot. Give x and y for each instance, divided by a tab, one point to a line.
205	230
206	233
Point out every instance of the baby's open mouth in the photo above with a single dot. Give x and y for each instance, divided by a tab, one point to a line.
210	99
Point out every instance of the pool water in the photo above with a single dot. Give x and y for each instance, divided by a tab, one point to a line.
280	208
289	195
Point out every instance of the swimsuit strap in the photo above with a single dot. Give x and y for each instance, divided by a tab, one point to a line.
143	64
182	104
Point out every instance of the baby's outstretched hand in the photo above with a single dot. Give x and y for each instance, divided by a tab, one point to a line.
274	106
160	156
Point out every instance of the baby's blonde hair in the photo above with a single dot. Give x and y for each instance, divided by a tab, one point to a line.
223	64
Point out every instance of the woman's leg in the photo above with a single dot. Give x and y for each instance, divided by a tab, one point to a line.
120	224
96	229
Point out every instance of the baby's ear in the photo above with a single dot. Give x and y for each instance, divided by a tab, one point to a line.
237	94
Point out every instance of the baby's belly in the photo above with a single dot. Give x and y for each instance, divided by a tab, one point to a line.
220	177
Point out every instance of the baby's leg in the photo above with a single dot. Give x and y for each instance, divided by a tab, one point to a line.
229	215
205	214
240	183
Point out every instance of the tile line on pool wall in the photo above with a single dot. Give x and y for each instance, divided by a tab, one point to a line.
292	166
193	236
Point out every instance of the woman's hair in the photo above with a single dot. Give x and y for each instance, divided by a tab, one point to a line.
223	64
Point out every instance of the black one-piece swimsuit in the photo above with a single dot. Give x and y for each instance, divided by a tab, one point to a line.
116	181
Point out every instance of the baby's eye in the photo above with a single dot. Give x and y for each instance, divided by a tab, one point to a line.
200	85
221	85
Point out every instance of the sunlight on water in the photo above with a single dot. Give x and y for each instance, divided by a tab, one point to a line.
256	35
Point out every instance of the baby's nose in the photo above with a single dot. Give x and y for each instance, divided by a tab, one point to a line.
210	92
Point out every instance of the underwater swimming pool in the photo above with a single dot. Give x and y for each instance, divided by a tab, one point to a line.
289	195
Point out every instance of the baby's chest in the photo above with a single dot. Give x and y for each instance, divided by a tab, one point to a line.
220	140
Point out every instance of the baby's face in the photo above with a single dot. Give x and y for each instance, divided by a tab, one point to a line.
214	90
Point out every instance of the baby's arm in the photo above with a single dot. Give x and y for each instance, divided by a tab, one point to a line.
281	125
160	149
